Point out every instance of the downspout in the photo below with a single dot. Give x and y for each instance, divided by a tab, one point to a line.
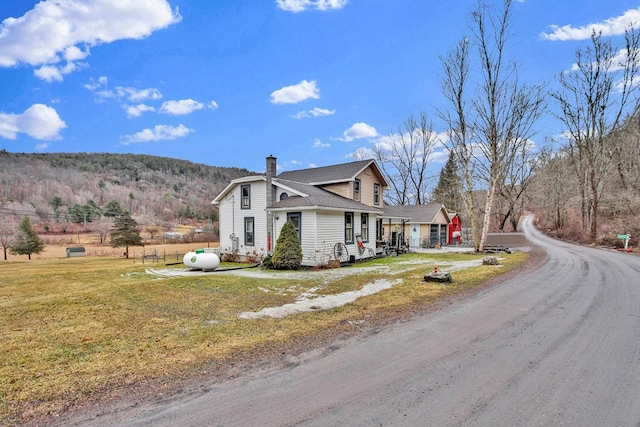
270	174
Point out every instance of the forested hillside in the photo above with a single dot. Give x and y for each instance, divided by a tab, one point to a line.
559	191
65	191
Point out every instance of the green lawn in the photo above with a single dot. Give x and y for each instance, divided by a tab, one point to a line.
76	328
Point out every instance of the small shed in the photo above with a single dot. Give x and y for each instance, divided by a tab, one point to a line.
75	251
455	230
173	235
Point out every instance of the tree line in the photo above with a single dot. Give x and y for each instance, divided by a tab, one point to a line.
59	190
125	232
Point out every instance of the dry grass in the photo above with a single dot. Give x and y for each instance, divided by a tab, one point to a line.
77	328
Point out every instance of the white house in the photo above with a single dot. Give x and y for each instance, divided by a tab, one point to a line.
331	207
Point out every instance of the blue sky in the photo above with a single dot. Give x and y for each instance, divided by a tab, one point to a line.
228	82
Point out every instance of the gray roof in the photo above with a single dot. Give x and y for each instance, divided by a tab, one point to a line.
317	197
327	174
425	214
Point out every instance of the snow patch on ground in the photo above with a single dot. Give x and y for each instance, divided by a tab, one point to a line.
325	302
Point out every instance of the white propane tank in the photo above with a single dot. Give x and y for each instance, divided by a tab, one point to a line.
201	259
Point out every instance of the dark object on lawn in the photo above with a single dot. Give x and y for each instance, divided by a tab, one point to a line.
496	249
437	276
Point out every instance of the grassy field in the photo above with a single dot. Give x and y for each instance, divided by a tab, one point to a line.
74	329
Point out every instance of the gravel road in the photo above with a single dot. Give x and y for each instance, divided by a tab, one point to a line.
558	346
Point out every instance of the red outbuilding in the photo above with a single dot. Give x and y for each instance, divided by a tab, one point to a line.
455	230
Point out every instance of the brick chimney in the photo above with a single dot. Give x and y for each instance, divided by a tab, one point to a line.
271	196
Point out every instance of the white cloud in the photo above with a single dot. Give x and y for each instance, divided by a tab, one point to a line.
133	94
137	110
609	27
74	53
94	85
439	156
158	133
296	93
100	89
38	121
184	106
319	144
55	31
358	131
302	5
180	107
49	73
316	112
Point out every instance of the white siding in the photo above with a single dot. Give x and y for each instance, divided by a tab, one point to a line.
307	229
330	231
232	219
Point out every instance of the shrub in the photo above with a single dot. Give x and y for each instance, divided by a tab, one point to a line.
266	262
288	252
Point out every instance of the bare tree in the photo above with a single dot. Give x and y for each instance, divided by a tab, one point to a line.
593	98
554	198
506	110
519	174
7	231
628	165
628	162
404	158
456	74
499	121
103	227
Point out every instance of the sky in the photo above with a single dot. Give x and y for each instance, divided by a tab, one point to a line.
230	82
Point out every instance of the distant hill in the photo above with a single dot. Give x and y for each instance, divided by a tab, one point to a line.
60	190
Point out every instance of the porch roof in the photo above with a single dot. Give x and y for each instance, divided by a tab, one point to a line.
420	214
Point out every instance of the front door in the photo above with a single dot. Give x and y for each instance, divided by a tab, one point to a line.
415	236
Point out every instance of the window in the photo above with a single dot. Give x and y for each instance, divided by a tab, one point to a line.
296	219
356	190
283	195
365	227
376	194
348	227
248	231
245	196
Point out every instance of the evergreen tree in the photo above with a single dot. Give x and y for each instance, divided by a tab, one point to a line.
288	252
56	204
447	192
26	240
125	233
84	213
112	209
